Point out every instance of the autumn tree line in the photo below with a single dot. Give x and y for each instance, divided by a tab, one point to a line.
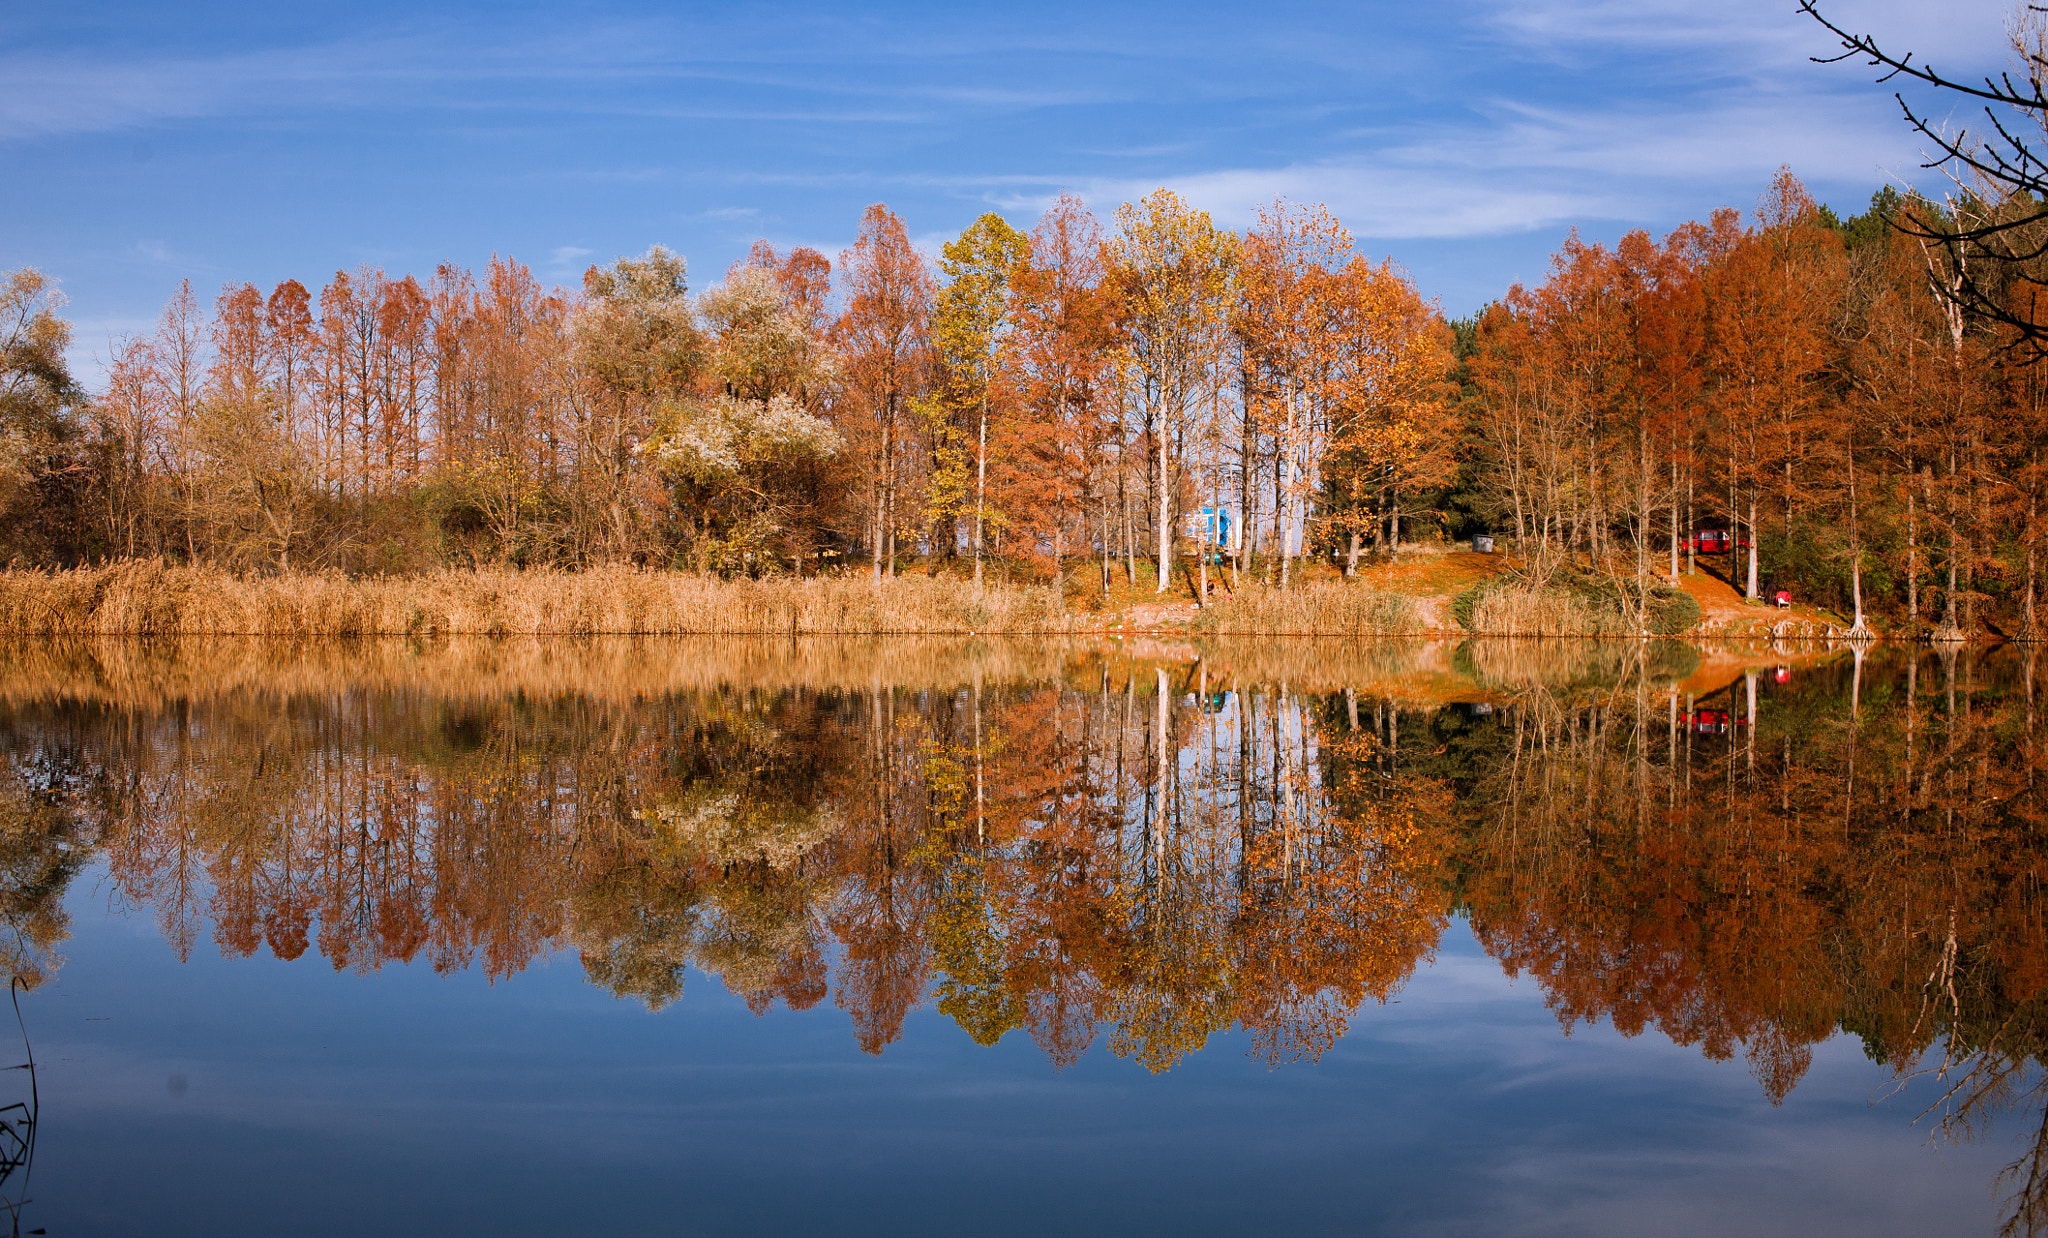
1810	385
1078	395
1031	398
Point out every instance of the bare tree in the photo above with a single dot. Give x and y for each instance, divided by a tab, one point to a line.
1997	239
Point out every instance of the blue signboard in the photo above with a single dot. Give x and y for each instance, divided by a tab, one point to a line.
1211	527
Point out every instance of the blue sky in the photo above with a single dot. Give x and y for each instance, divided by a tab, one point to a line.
142	144
313	1100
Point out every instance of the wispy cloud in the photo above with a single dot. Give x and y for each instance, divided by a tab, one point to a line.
1373	200
649	69
1750	35
45	96
1511	165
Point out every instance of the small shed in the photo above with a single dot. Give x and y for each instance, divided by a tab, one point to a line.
1482	543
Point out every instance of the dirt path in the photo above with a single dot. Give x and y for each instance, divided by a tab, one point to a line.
1724	611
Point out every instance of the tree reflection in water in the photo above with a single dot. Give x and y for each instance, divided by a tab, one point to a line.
1092	847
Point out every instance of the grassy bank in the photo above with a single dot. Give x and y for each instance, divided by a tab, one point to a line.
131	599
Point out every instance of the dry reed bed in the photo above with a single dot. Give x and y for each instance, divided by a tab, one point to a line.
1546	612
147	598
1312	610
150	598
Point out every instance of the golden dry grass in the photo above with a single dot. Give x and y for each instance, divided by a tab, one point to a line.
147	598
1320	609
1522	611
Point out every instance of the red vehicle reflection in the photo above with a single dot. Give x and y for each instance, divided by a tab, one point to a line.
1712	721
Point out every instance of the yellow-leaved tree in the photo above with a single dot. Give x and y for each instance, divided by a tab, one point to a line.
973	315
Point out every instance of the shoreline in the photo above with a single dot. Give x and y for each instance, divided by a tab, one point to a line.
1419	599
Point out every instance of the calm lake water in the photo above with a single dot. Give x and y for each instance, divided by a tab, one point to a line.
894	937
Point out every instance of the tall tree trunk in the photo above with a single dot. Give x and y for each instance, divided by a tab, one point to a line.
1271	537
1856	590
1247	492
1855	550
1912	551
1948	629
882	468
1123	498
980	481
1734	527
1165	506
2028	629
1059	567
1674	517
1393	518
1644	518
1972	526
1753	546
1102	508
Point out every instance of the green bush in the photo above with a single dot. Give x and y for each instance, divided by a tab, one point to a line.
1466	600
1671	611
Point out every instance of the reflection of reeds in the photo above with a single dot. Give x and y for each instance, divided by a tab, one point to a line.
1313	610
1563	665
132	673
1402	669
140	598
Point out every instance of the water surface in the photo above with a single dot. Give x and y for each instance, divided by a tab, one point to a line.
714	937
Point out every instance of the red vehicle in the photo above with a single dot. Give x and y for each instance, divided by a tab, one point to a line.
1714	542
